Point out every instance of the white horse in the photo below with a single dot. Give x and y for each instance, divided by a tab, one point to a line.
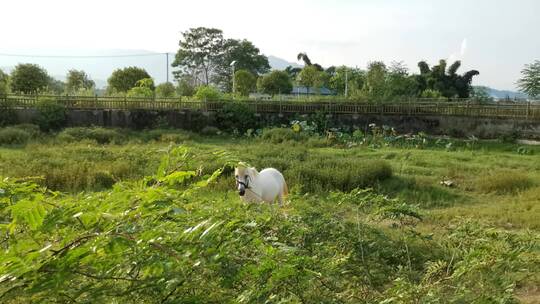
264	186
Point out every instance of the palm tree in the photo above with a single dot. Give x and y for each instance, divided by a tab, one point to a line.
446	80
304	57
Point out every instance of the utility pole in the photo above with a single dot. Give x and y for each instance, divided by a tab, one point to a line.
233	80
346	82
167	64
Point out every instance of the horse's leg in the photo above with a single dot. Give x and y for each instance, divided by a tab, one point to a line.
280	199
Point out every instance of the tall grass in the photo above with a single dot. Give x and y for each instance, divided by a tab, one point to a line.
503	182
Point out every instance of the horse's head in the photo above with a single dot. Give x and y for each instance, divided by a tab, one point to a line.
243	175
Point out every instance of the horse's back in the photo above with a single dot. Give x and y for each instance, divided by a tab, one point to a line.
273	173
274	181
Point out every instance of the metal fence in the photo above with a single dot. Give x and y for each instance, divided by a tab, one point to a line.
462	107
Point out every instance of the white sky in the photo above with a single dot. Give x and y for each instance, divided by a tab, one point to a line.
496	37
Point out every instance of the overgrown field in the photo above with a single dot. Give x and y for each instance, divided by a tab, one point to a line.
115	216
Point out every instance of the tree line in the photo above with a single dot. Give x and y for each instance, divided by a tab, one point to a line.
208	65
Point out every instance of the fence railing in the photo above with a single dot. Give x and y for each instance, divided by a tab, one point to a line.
519	110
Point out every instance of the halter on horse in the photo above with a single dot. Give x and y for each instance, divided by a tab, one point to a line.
265	186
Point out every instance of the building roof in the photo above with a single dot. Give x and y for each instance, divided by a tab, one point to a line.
298	90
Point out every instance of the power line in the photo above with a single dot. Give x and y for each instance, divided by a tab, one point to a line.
80	56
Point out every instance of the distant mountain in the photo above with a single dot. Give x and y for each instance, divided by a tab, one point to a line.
59	62
502	94
277	63
99	68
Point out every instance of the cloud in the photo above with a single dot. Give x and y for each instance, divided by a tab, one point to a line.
462	51
463	47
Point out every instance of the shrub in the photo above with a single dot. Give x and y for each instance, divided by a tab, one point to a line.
503	182
236	116
51	115
12	136
279	135
31	129
207	93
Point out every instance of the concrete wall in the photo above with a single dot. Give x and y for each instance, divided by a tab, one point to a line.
196	120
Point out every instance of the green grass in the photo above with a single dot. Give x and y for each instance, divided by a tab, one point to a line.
495	196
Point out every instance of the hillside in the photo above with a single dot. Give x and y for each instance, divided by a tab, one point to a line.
100	68
503	94
59	62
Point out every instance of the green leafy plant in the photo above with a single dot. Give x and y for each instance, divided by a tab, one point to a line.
207	93
236	116
51	115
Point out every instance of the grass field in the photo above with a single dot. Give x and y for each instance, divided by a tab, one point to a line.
410	239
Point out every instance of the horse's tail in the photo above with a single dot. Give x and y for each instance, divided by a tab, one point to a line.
285	189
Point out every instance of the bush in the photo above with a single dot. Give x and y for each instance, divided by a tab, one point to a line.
207	93
31	129
503	182
236	116
51	115
100	135
13	136
279	135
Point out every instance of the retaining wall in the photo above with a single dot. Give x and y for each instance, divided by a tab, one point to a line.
458	126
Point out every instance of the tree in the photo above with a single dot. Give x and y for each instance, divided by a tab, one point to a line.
29	78
245	82
77	80
199	53
185	86
207	93
293	72
245	57
310	77
304	57
529	83
56	86
4	83
399	83
445	80
124	79
276	82
143	88
165	90
307	62
375	84
354	77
